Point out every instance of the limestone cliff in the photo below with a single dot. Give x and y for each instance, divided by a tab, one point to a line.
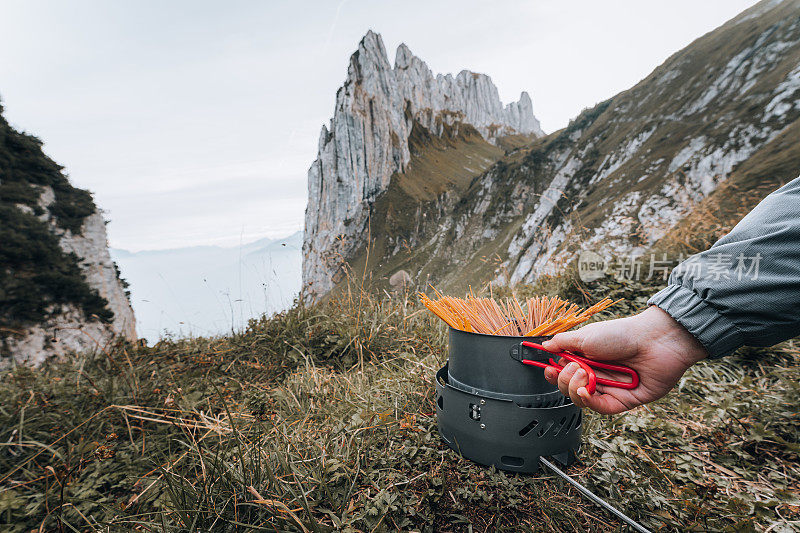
368	141
59	290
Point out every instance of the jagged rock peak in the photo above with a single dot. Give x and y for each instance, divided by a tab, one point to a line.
367	142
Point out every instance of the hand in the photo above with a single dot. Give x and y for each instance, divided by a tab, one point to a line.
652	343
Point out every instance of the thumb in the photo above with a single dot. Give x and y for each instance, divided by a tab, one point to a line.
612	340
570	341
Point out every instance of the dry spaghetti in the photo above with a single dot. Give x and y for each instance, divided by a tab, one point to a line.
537	316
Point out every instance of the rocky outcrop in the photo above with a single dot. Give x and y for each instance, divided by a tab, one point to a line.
60	292
68	329
367	142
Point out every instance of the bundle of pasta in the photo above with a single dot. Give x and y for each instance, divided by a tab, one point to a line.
537	316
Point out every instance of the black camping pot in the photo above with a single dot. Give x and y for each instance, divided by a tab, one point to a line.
496	411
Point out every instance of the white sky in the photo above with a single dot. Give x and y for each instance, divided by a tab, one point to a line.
194	122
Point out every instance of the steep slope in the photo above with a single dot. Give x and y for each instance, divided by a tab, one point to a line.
380	112
659	149
59	289
624	174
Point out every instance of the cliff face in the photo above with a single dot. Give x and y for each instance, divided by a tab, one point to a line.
715	126
368	141
59	290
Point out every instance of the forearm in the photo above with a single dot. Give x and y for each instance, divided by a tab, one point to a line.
744	290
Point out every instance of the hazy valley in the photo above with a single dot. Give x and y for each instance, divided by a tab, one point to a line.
210	290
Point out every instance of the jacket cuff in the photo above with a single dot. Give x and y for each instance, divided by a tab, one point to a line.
719	335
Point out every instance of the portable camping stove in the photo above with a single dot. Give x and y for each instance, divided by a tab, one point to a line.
493	410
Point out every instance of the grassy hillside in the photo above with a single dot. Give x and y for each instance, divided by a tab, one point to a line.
322	419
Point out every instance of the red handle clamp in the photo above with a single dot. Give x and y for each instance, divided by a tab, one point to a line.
586	365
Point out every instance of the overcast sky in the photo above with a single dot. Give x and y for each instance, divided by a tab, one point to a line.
195	122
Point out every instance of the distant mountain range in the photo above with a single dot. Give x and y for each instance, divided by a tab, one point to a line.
210	290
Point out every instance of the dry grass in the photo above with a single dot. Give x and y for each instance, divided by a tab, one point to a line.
322	419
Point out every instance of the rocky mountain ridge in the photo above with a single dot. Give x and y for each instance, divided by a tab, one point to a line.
59	289
697	118
624	173
369	140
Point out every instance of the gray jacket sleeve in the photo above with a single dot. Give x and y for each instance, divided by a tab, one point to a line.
744	290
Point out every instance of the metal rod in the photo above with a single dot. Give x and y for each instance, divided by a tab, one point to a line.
596	499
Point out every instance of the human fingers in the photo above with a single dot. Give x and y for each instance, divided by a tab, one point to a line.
577	388
551	375
569	341
603	403
565	376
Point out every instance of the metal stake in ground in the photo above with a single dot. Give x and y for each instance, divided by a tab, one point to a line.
596	499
